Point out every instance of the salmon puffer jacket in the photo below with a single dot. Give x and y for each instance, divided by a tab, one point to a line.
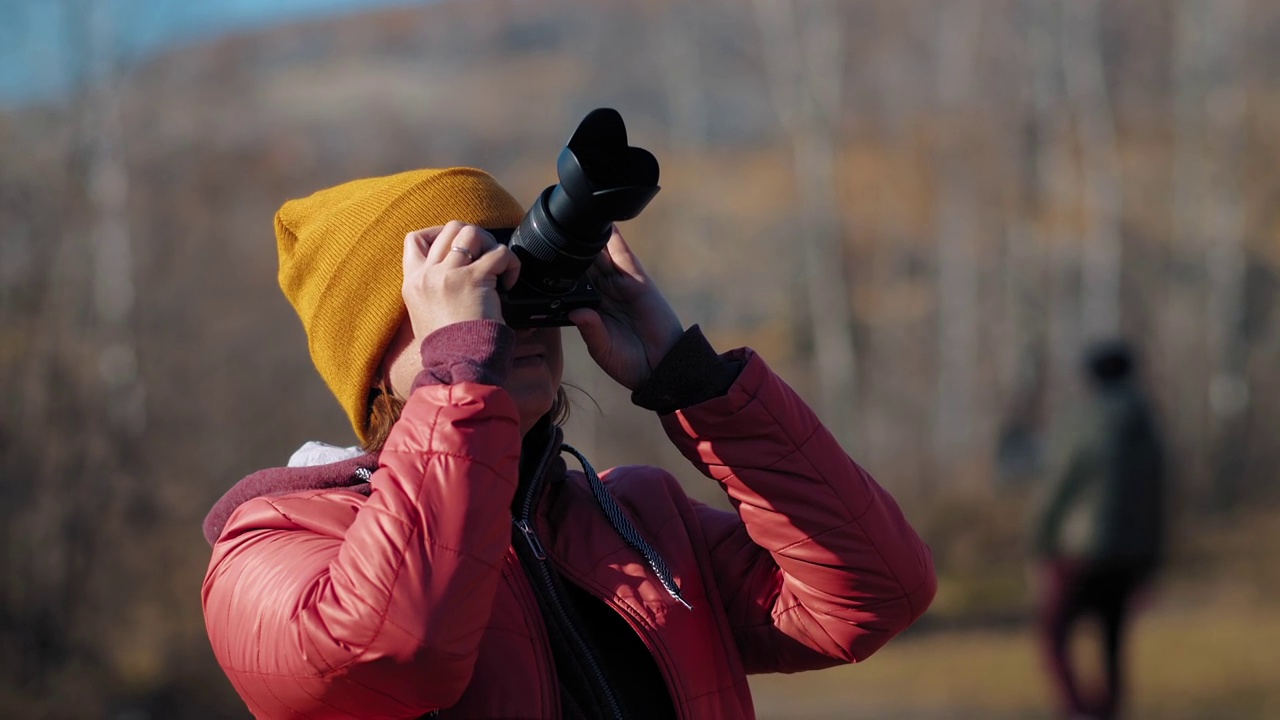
400	593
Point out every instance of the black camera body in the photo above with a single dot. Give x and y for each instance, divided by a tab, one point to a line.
527	305
602	180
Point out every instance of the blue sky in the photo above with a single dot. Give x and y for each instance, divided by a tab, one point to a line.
38	56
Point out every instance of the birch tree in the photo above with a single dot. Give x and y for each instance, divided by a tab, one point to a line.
114	292
1209	113
1029	239
1185	313
1229	394
1055	190
1209	104
957	32
1086	85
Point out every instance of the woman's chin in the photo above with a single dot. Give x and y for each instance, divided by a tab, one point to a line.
533	402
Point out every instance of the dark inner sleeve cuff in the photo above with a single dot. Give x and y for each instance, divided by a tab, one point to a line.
691	373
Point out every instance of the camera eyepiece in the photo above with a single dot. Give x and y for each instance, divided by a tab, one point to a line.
602	180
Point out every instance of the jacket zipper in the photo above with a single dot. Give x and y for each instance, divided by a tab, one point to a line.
523	586
547	585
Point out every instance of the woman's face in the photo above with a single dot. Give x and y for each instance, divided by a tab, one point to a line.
536	369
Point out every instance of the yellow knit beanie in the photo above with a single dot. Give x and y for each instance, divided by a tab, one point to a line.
341	254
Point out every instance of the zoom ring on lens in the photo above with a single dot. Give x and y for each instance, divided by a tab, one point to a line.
539	236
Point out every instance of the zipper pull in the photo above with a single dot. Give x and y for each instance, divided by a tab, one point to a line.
534	545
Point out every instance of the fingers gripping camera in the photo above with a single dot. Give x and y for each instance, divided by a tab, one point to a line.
602	180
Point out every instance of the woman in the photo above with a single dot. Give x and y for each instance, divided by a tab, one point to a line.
457	567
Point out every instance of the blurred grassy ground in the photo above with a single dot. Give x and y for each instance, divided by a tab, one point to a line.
1189	662
1205	646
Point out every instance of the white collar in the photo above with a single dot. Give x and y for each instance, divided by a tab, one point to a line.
315	452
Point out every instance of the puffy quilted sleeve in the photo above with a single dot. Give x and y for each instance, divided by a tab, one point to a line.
819	566
325	605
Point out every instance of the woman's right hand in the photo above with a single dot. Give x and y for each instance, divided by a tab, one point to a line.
451	275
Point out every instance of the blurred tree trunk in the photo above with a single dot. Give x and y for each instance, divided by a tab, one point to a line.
1028	238
1229	392
803	53
114	292
1185	312
1059	317
44	545
1086	85
1208	222
958	33
1219	99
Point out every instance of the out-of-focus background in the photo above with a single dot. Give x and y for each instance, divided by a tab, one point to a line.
919	212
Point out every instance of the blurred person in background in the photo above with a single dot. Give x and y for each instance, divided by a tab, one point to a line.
1099	537
454	566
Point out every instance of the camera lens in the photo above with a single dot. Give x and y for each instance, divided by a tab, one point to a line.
602	180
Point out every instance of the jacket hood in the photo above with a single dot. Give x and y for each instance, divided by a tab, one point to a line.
320	466
310	468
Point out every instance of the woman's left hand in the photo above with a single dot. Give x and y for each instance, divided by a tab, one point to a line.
635	326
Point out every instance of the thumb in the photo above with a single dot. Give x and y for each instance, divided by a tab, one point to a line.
591	327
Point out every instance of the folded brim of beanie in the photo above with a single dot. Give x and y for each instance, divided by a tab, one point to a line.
341	264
